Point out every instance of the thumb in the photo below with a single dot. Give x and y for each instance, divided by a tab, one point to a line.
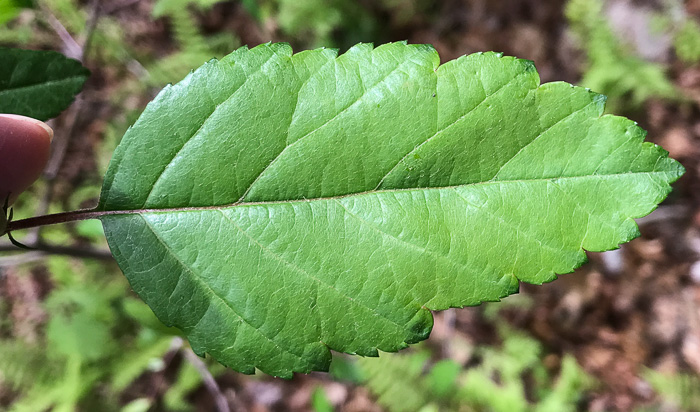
25	145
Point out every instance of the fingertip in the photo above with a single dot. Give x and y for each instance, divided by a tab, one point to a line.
29	122
25	146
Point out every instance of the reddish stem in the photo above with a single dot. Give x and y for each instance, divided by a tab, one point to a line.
56	218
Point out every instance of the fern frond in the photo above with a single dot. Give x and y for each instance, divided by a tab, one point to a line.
397	380
23	365
611	69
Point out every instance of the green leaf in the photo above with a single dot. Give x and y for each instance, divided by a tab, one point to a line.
687	42
251	6
388	377
9	9
38	84
320	401
274	206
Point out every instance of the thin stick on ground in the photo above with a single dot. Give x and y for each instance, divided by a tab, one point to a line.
70	46
208	379
95	13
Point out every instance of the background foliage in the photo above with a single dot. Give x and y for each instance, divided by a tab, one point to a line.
629	319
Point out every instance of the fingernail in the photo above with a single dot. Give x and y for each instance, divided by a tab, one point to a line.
49	131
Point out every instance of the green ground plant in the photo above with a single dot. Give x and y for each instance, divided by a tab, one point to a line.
84	344
611	67
507	377
193	48
9	9
687	42
99	339
335	23
675	391
496	383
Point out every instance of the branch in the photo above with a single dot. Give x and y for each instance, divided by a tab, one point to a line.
71	47
95	10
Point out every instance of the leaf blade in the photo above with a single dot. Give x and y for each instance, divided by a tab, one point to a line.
352	210
38	84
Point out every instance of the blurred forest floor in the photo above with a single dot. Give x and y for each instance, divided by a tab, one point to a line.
630	318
